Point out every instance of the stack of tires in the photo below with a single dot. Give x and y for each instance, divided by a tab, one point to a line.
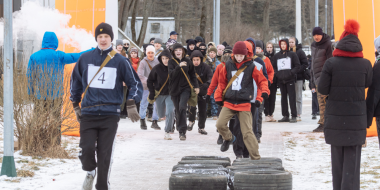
263	174
201	173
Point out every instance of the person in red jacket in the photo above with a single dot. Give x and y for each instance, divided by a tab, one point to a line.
238	96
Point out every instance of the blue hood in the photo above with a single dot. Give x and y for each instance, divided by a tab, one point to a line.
254	44
50	41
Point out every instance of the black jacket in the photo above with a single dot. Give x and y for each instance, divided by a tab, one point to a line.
158	77
189	42
303	61
320	52
271	56
344	80
288	75
177	80
204	72
373	95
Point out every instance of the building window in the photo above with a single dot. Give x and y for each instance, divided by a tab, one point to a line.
155	28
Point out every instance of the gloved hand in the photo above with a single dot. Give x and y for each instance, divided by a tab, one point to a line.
196	90
269	83
78	111
257	103
182	64
264	95
207	98
219	104
132	111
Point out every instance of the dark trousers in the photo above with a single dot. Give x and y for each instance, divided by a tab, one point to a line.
202	105
180	104
239	146
314	105
97	133
257	120
270	103
288	90
345	162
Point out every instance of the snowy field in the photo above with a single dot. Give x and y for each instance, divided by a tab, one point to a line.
144	160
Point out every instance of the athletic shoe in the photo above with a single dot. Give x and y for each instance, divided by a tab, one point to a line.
319	129
190	126
239	157
155	125
202	131
284	119
143	124
299	118
293	120
314	117
215	118
167	136
226	144
272	119
220	140
182	137
88	181
267	119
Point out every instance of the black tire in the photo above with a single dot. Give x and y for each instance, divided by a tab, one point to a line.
223	163
197	181
257	162
264	180
197	166
206	158
255	167
267	159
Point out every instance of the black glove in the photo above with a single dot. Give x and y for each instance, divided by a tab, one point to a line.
257	103
207	98
151	96
220	103
264	95
78	111
269	83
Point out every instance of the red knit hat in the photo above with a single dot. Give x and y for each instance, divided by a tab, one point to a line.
240	48
351	27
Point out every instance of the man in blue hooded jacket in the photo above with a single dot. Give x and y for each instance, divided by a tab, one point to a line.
46	74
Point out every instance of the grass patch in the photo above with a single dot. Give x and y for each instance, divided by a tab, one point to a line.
285	134
25	173
370	172
23	161
13	180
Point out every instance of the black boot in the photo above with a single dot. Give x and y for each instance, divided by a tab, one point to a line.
155	125
314	117
182	136
220	140
226	144
293	120
190	126
284	119
143	124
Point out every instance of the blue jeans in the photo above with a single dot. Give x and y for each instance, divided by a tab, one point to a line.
214	106
165	107
144	105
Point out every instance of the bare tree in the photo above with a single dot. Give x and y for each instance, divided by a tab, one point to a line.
177	15
148	4
202	31
124	8
133	20
266	12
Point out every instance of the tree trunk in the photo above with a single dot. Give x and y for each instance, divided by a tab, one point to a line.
266	12
147	8
202	29
178	18
133	20
121	10
124	18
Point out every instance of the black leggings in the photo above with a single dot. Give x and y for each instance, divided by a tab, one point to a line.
270	103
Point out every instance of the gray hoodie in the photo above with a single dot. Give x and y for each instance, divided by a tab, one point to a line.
144	70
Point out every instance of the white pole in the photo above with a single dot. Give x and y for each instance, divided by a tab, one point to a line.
316	13
326	8
298	21
217	23
214	22
8	166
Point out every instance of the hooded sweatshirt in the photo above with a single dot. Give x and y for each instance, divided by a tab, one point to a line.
158	76
144	70
257	61
302	58
204	72
189	42
286	64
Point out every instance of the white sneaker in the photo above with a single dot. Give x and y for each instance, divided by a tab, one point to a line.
167	136
298	118
88	181
267	119
272	119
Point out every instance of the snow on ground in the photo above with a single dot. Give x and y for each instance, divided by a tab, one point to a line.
144	160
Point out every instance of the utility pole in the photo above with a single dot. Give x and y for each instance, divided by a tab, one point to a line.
216	22
298	21
316	13
8	166
326	17
332	19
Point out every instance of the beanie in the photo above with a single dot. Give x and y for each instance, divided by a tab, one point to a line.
134	50
202	44
213	49
240	48
220	46
119	43
228	49
225	44
199	39
151	39
259	44
317	31
126	41
196	53
103	28
150	49
351	27
158	40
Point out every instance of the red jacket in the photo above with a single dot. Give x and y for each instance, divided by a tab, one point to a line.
214	80
262	86
270	70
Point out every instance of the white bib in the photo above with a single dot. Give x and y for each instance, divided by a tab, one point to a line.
284	64
105	79
236	84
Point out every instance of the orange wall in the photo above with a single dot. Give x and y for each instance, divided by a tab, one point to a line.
85	14
366	12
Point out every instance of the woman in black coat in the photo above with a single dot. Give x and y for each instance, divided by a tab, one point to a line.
270	104
179	87
344	79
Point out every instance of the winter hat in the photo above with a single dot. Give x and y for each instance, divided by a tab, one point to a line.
220	46
351	27
151	39
228	49
203	50
165	53
134	50
240	48
225	44
190	41
202	44
150	49
317	31
213	49
158	40
349	44
199	39
125	41
119	43
103	28
196	53
259	44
